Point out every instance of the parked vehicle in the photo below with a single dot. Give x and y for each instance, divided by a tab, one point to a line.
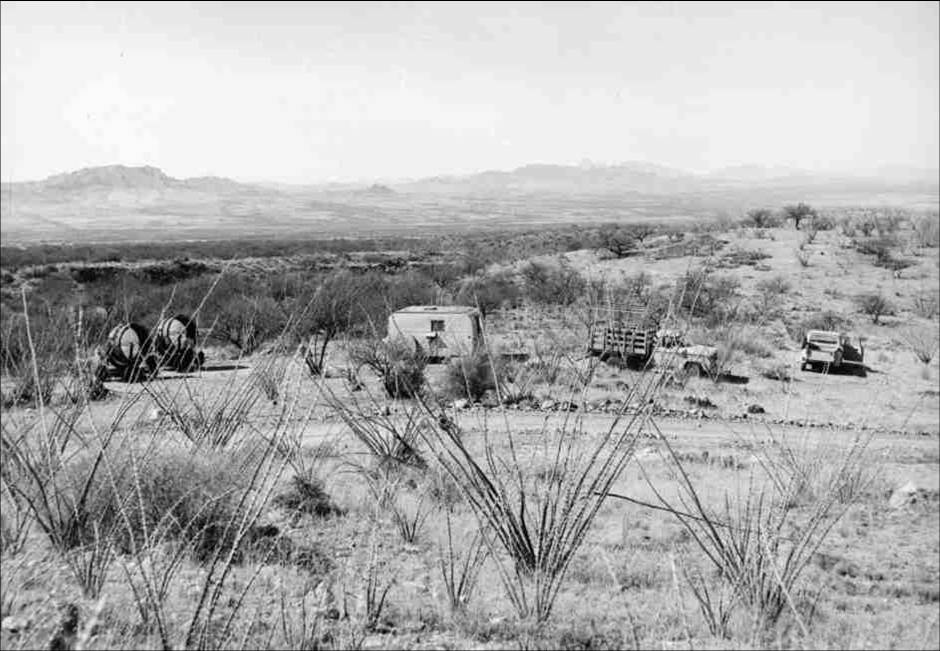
622	335
825	350
671	351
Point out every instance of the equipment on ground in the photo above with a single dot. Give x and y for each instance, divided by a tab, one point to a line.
175	344
128	354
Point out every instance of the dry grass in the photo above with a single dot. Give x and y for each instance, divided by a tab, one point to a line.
499	535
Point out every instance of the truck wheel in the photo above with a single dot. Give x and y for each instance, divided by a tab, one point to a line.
692	369
862	371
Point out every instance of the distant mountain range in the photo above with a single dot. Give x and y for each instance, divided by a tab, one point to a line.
117	202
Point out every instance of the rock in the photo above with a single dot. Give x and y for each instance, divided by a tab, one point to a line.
756	409
547	405
909	494
460	403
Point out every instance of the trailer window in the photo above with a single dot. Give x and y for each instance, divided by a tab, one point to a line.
437	325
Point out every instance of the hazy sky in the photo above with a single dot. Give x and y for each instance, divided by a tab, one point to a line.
311	92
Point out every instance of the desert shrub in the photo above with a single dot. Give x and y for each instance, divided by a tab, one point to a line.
126	298
880	247
471	376
741	257
489	292
761	218
712	297
536	527
409	288
824	222
245	321
747	535
552	284
923	342
798	213
35	375
475	257
926	230
874	304
171	271
866	223
636	286
403	376
339	302
635	290
889	222
926	304
460	568
897	265
748	340
621	240
306	495
517	381
848	226
188	495
774	286
730	344
399	363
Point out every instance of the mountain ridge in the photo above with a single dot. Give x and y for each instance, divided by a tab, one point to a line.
119	202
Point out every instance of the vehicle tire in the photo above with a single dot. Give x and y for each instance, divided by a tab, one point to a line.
803	366
692	369
862	371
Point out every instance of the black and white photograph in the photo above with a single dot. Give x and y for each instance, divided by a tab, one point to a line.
469	325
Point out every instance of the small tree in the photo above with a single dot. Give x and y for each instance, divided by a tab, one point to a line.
761	218
246	322
770	292
488	292
798	213
874	304
641	232
552	284
334	306
618	240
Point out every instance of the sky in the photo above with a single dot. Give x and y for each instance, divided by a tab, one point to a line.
314	92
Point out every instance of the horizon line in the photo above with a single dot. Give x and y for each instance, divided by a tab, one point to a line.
588	163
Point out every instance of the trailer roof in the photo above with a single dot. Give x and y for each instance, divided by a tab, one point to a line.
438	309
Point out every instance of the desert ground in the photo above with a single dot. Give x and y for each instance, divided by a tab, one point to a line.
255	504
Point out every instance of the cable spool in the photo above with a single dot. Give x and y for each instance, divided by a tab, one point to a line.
128	350
175	343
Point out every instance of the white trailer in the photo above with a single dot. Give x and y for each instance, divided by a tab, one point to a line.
442	331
